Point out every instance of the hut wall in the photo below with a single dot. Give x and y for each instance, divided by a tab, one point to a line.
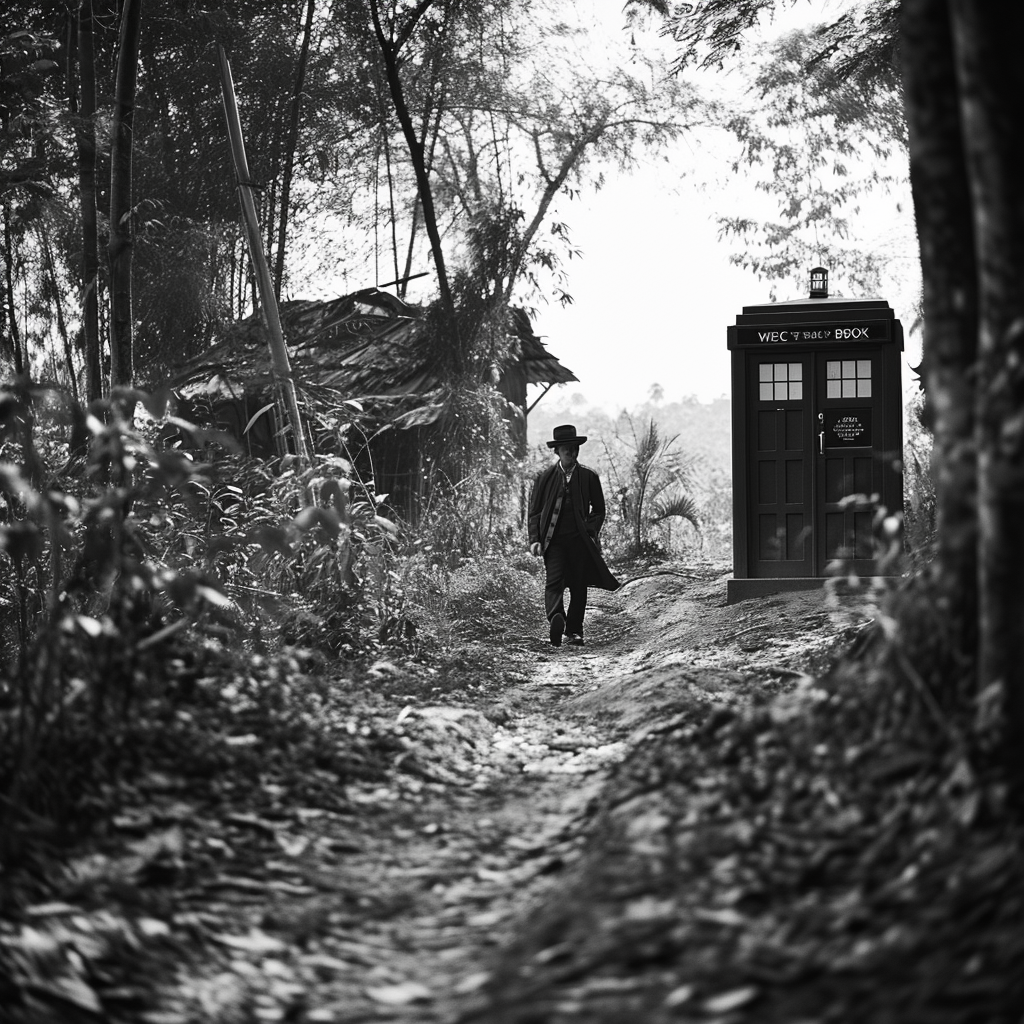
512	387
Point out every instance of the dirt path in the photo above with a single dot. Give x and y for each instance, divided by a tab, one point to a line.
634	831
396	899
463	842
399	911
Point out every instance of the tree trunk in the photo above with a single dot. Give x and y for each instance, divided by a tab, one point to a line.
270	195
85	136
992	102
408	274
11	308
119	248
389	52
58	303
942	206
290	147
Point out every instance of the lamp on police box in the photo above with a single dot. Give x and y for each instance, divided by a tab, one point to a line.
819	283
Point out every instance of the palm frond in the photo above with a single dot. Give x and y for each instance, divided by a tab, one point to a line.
677	504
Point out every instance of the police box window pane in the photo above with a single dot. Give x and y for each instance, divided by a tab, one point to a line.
863	378
780	382
848	378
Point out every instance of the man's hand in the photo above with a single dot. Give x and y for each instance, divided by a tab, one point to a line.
535	549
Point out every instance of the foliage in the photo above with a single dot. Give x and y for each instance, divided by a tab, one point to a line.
823	101
89	611
27	169
113	561
471	460
127	568
839	851
488	595
185	213
807	150
861	44
919	487
656	487
27	116
510	126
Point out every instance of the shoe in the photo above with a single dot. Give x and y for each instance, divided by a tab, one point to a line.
574	638
557	629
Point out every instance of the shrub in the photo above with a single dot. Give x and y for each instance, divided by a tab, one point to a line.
116	561
919	488
651	484
490	595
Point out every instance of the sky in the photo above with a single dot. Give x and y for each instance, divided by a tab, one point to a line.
653	294
654	291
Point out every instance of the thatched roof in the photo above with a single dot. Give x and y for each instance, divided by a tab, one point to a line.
363	346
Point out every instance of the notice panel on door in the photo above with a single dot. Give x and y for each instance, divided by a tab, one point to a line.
847	428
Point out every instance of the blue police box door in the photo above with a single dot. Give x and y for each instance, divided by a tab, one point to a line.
814	460
780	465
851	458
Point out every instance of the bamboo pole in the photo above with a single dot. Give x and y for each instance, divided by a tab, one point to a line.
268	303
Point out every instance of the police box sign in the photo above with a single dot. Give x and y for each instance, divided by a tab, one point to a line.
807	334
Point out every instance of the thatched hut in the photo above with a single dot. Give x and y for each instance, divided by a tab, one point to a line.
367	356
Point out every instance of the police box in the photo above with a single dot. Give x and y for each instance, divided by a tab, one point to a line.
817	438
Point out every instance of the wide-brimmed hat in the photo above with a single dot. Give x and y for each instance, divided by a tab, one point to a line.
565	434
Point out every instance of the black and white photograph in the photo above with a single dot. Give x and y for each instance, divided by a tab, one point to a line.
511	512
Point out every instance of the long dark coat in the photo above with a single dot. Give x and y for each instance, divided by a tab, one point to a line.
588	507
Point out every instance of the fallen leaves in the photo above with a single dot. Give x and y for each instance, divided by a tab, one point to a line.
72	960
746	861
402	994
256	941
787	856
726	1002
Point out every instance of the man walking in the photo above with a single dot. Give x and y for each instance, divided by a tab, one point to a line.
566	513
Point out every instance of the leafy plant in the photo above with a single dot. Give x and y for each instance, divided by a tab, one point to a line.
487	595
808	139
919	496
92	610
658	489
118	562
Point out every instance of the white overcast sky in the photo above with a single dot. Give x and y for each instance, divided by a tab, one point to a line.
655	291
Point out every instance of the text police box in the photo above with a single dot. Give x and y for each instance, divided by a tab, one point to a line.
806	334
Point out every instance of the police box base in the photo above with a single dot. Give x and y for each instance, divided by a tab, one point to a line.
744	589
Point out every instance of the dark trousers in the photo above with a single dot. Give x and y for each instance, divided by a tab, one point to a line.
566	563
